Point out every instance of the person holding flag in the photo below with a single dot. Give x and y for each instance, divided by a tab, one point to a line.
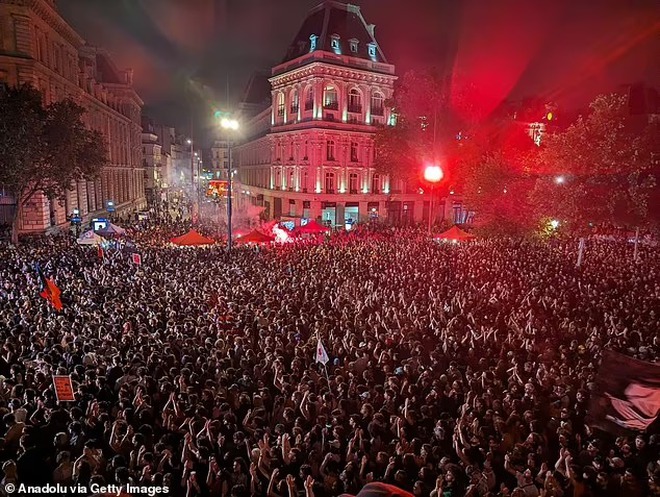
321	354
49	290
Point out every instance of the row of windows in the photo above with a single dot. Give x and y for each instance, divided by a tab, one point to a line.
330	150
331	101
330	182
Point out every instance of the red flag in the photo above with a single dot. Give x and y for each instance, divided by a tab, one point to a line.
137	259
51	292
100	251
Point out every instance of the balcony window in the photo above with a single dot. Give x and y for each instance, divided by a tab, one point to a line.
330	150
377	104
330	100
303	181
353	183
354	101
354	152
294	102
280	105
375	183
309	99
330	182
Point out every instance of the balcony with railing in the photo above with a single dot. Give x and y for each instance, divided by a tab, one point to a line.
309	105
355	109
331	105
378	111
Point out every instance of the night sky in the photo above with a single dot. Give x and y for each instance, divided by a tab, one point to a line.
200	54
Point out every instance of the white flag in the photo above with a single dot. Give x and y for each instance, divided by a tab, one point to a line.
321	354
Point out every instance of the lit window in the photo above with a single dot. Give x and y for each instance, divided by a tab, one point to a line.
371	49
313	39
280	104
330	100
334	43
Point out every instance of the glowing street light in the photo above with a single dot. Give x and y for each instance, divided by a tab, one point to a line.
554	224
560	180
433	174
229	123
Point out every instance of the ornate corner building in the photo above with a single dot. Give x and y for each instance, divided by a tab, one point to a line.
311	153
37	46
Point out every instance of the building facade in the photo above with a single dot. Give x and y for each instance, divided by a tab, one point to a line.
38	47
311	153
220	159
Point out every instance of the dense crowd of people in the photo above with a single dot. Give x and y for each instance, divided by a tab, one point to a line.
454	370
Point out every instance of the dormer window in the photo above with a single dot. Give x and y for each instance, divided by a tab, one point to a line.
334	43
313	40
353	43
371	48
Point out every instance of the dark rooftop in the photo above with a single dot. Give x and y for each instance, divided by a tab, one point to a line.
341	22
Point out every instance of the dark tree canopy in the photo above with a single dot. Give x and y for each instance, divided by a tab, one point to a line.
607	167
44	148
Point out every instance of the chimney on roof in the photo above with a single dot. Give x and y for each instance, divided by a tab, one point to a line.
372	30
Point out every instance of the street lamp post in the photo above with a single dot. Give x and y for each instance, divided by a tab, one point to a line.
229	124
432	174
194	206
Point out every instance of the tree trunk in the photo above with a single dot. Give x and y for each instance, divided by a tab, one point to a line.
16	222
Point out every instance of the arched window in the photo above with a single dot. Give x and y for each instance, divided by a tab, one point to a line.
353	183
278	178
330	99
294	102
354	101
375	183
309	98
280	105
377	104
303	181
354	151
330	150
291	177
330	182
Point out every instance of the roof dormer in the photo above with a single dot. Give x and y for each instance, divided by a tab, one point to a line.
353	44
313	42
334	43
372	50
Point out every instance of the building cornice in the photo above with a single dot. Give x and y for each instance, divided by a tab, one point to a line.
324	69
48	13
318	124
331	58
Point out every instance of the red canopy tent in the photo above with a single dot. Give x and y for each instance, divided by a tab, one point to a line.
455	234
192	238
255	237
311	228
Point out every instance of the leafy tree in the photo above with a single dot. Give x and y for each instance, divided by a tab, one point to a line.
492	179
421	105
44	149
600	169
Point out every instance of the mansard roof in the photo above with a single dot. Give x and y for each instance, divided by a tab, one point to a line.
335	19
